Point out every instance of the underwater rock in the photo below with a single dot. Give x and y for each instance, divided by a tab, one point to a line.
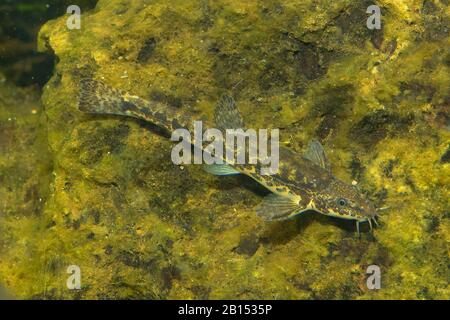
146	50
248	245
446	156
140	227
25	168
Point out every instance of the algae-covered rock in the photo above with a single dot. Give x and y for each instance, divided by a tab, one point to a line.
24	182
139	226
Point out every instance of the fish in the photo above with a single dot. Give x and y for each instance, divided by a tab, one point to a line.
303	182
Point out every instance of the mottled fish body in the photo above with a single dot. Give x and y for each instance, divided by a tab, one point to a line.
302	183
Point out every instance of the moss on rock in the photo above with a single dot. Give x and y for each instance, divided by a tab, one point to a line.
140	227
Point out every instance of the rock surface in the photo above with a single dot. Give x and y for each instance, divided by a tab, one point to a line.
140	227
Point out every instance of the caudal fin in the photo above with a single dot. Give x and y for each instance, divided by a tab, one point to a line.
97	97
227	115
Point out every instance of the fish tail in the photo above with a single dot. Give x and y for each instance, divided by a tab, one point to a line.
97	97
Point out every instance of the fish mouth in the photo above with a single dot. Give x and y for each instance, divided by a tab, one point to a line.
370	211
369	219
369	214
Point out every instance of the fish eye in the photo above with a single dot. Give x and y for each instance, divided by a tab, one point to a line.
342	202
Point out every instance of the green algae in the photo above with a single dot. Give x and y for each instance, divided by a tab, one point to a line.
140	227
25	167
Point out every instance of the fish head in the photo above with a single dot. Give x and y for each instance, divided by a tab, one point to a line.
346	201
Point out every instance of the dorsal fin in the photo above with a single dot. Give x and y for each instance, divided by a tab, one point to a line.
226	114
316	154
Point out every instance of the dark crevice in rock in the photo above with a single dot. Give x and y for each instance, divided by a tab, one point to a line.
20	22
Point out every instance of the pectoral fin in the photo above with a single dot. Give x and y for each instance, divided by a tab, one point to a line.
316	154
276	207
220	169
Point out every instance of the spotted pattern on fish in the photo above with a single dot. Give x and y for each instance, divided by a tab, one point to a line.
97	97
301	183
